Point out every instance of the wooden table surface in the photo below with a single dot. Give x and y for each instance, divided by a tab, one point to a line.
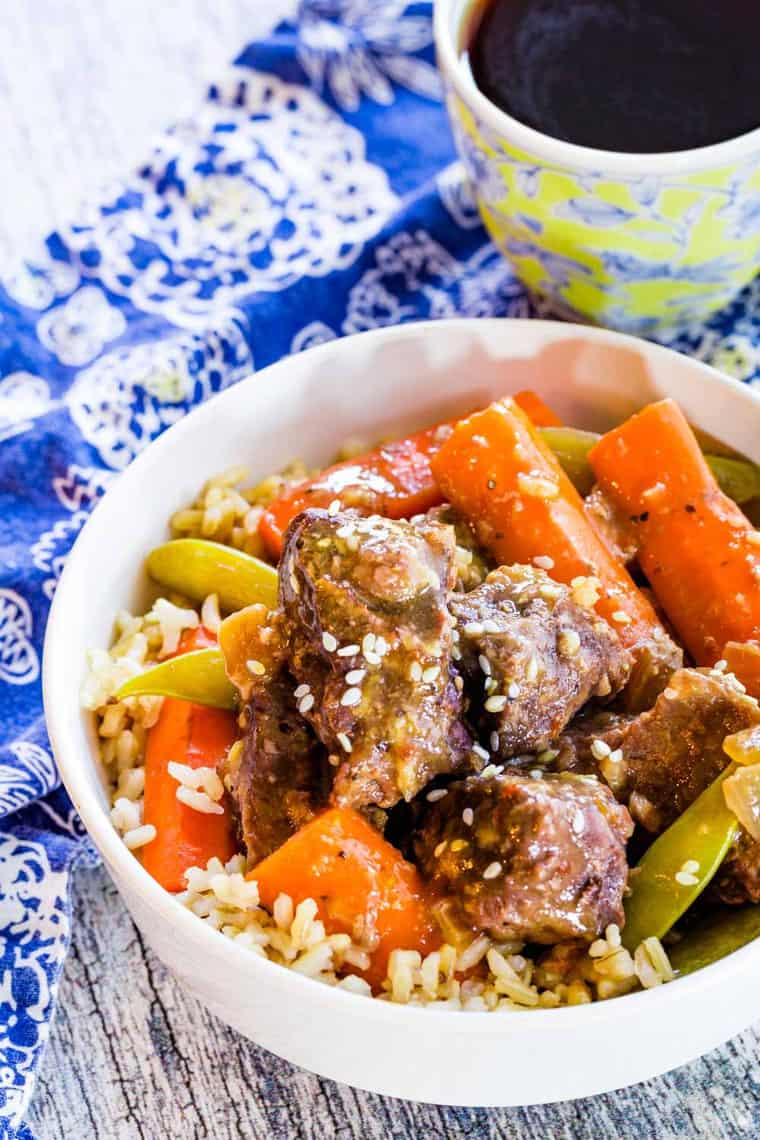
131	1056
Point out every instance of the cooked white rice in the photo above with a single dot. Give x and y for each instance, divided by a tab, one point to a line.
503	977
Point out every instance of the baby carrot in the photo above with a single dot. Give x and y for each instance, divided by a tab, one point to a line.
498	472
534	407
361	884
394	480
198	737
699	552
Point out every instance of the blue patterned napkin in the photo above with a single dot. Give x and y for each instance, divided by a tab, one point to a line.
314	194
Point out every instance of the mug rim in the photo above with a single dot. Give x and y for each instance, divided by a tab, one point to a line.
557	151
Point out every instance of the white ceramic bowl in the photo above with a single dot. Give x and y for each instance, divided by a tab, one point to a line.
305	406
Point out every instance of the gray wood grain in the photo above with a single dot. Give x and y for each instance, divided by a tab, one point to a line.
135	1058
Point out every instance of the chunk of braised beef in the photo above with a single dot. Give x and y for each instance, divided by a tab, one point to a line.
531	657
277	777
738	880
671	753
539	860
369	638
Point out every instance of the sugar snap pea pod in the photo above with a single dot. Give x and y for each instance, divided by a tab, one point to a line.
738	478
679	865
197	568
714	938
199	677
571	446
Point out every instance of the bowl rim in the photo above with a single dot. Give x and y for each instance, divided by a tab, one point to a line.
124	866
572	155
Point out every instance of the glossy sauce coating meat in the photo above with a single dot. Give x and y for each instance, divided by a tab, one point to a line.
672	752
539	860
532	657
277	777
369	639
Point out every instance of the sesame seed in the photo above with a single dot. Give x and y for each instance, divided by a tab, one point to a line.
494	742
344	741
456	654
496	703
381	646
600	750
436	794
536	773
440	849
616	757
301	691
485	664
489	770
490	626
492	870
684	879
460	844
255	667
544	562
306	704
372	658
330	643
431	674
480	751
348	650
468	815
356	676
513	692
531	673
691	867
490	685
454	633
351	697
568	642
621	617
473	628
415	671
334	507
368	643
458	683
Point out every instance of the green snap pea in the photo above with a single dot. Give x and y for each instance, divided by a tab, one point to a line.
737	478
198	676
197	568
571	446
701	835
714	938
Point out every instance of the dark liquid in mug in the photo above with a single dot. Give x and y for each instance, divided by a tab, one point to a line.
627	75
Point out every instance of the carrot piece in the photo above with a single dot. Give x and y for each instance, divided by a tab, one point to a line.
360	883
199	737
395	480
534	407
498	472
696	547
743	659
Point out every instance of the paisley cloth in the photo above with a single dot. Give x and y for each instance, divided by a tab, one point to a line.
314	194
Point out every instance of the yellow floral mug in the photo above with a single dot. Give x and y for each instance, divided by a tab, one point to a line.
639	242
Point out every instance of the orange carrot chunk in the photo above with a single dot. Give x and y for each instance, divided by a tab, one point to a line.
198	737
500	474
698	550
360	883
395	480
537	411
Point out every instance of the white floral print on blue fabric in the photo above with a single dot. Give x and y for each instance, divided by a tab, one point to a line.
360	49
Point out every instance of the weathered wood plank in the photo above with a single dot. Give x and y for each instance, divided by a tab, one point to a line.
132	1056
